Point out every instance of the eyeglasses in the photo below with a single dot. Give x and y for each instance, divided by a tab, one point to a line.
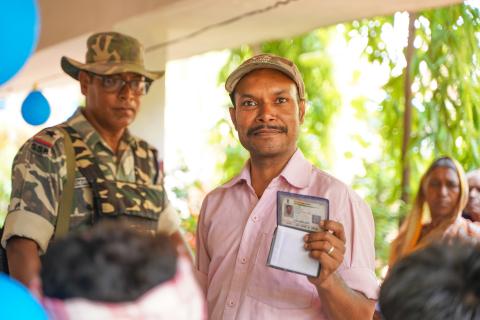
139	87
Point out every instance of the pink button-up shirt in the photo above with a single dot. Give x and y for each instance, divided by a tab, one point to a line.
234	236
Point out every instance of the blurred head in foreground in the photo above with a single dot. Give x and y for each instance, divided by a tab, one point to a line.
441	281
111	270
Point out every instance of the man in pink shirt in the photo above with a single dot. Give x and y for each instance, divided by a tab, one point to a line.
238	219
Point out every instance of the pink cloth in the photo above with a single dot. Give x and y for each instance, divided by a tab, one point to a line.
178	298
233	240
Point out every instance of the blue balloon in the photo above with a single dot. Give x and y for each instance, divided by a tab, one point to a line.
16	302
19	30
35	108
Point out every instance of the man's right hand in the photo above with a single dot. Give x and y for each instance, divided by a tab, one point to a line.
23	259
328	247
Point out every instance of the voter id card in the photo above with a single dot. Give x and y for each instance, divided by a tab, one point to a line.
300	211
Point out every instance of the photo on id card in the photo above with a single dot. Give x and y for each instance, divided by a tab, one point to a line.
297	215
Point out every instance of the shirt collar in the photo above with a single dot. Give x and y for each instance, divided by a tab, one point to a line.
297	172
243	176
88	133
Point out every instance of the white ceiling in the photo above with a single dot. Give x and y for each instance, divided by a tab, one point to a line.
181	28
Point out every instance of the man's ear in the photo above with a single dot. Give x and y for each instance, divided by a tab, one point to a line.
84	80
233	116
301	110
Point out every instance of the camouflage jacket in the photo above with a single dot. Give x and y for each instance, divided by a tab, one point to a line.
39	173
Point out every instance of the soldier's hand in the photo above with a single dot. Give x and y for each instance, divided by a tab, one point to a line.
328	247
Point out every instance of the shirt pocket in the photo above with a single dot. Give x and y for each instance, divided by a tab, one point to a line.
277	288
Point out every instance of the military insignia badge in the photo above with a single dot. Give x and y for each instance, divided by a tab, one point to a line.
39	146
43	142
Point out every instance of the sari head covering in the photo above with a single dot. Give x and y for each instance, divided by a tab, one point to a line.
408	239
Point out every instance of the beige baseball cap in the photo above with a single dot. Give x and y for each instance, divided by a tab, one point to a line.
266	61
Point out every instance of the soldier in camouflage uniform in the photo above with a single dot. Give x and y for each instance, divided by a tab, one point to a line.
116	173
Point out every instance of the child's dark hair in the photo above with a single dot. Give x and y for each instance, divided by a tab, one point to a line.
109	262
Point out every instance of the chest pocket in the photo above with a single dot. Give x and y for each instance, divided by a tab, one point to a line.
139	202
278	288
119	197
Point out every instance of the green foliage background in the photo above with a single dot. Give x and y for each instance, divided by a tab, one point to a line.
445	101
445	118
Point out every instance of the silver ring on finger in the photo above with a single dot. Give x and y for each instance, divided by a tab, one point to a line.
330	251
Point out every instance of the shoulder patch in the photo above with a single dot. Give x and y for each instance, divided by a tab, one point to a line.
40	148
43	141
47	137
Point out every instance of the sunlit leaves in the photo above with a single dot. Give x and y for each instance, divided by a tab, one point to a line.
445	90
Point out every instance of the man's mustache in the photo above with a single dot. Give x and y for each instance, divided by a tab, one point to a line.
281	129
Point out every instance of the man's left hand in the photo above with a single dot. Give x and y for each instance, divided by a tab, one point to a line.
328	247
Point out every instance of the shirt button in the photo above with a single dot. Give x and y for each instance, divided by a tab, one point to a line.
231	303
243	260
255	218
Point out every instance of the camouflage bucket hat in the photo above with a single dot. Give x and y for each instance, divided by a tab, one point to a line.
111	53
266	61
